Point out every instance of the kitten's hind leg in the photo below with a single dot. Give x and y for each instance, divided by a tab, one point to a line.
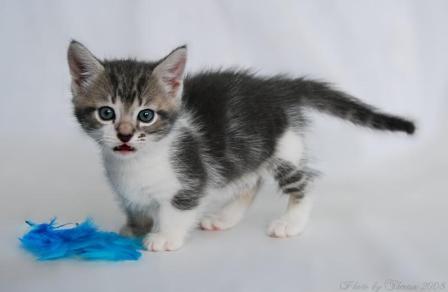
232	213
293	182
138	223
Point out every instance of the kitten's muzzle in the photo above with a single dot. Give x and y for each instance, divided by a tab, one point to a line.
125	131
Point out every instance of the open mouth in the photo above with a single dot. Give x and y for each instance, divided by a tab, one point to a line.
124	148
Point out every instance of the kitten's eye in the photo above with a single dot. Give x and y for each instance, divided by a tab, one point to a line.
146	115
106	113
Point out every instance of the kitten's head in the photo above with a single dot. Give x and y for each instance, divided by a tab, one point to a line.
125	105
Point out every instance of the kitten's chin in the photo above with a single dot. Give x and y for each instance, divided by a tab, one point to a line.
125	153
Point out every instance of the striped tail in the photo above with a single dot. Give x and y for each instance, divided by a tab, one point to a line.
320	96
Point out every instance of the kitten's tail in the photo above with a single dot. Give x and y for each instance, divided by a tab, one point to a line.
322	97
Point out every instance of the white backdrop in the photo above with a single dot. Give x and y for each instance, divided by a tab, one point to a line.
381	210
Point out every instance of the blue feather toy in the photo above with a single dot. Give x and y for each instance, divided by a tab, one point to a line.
48	241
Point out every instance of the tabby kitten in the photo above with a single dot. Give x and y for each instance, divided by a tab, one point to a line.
185	150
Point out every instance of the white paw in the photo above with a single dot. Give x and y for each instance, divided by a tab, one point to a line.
162	242
218	222
282	228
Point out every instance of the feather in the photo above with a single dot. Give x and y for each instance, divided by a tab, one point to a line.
47	241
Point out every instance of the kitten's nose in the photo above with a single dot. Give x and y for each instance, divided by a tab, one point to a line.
124	138
125	132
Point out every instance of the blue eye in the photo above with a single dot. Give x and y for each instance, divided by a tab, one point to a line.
146	115
106	113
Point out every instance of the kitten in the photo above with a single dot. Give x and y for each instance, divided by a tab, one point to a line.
181	150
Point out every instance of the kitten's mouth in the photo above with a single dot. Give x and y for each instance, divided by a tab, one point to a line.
124	148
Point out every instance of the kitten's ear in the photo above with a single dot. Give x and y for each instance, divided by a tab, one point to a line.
84	66
170	71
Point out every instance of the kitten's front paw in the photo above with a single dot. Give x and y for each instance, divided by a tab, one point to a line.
162	242
282	228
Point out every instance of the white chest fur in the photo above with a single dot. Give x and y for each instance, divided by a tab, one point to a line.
143	178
